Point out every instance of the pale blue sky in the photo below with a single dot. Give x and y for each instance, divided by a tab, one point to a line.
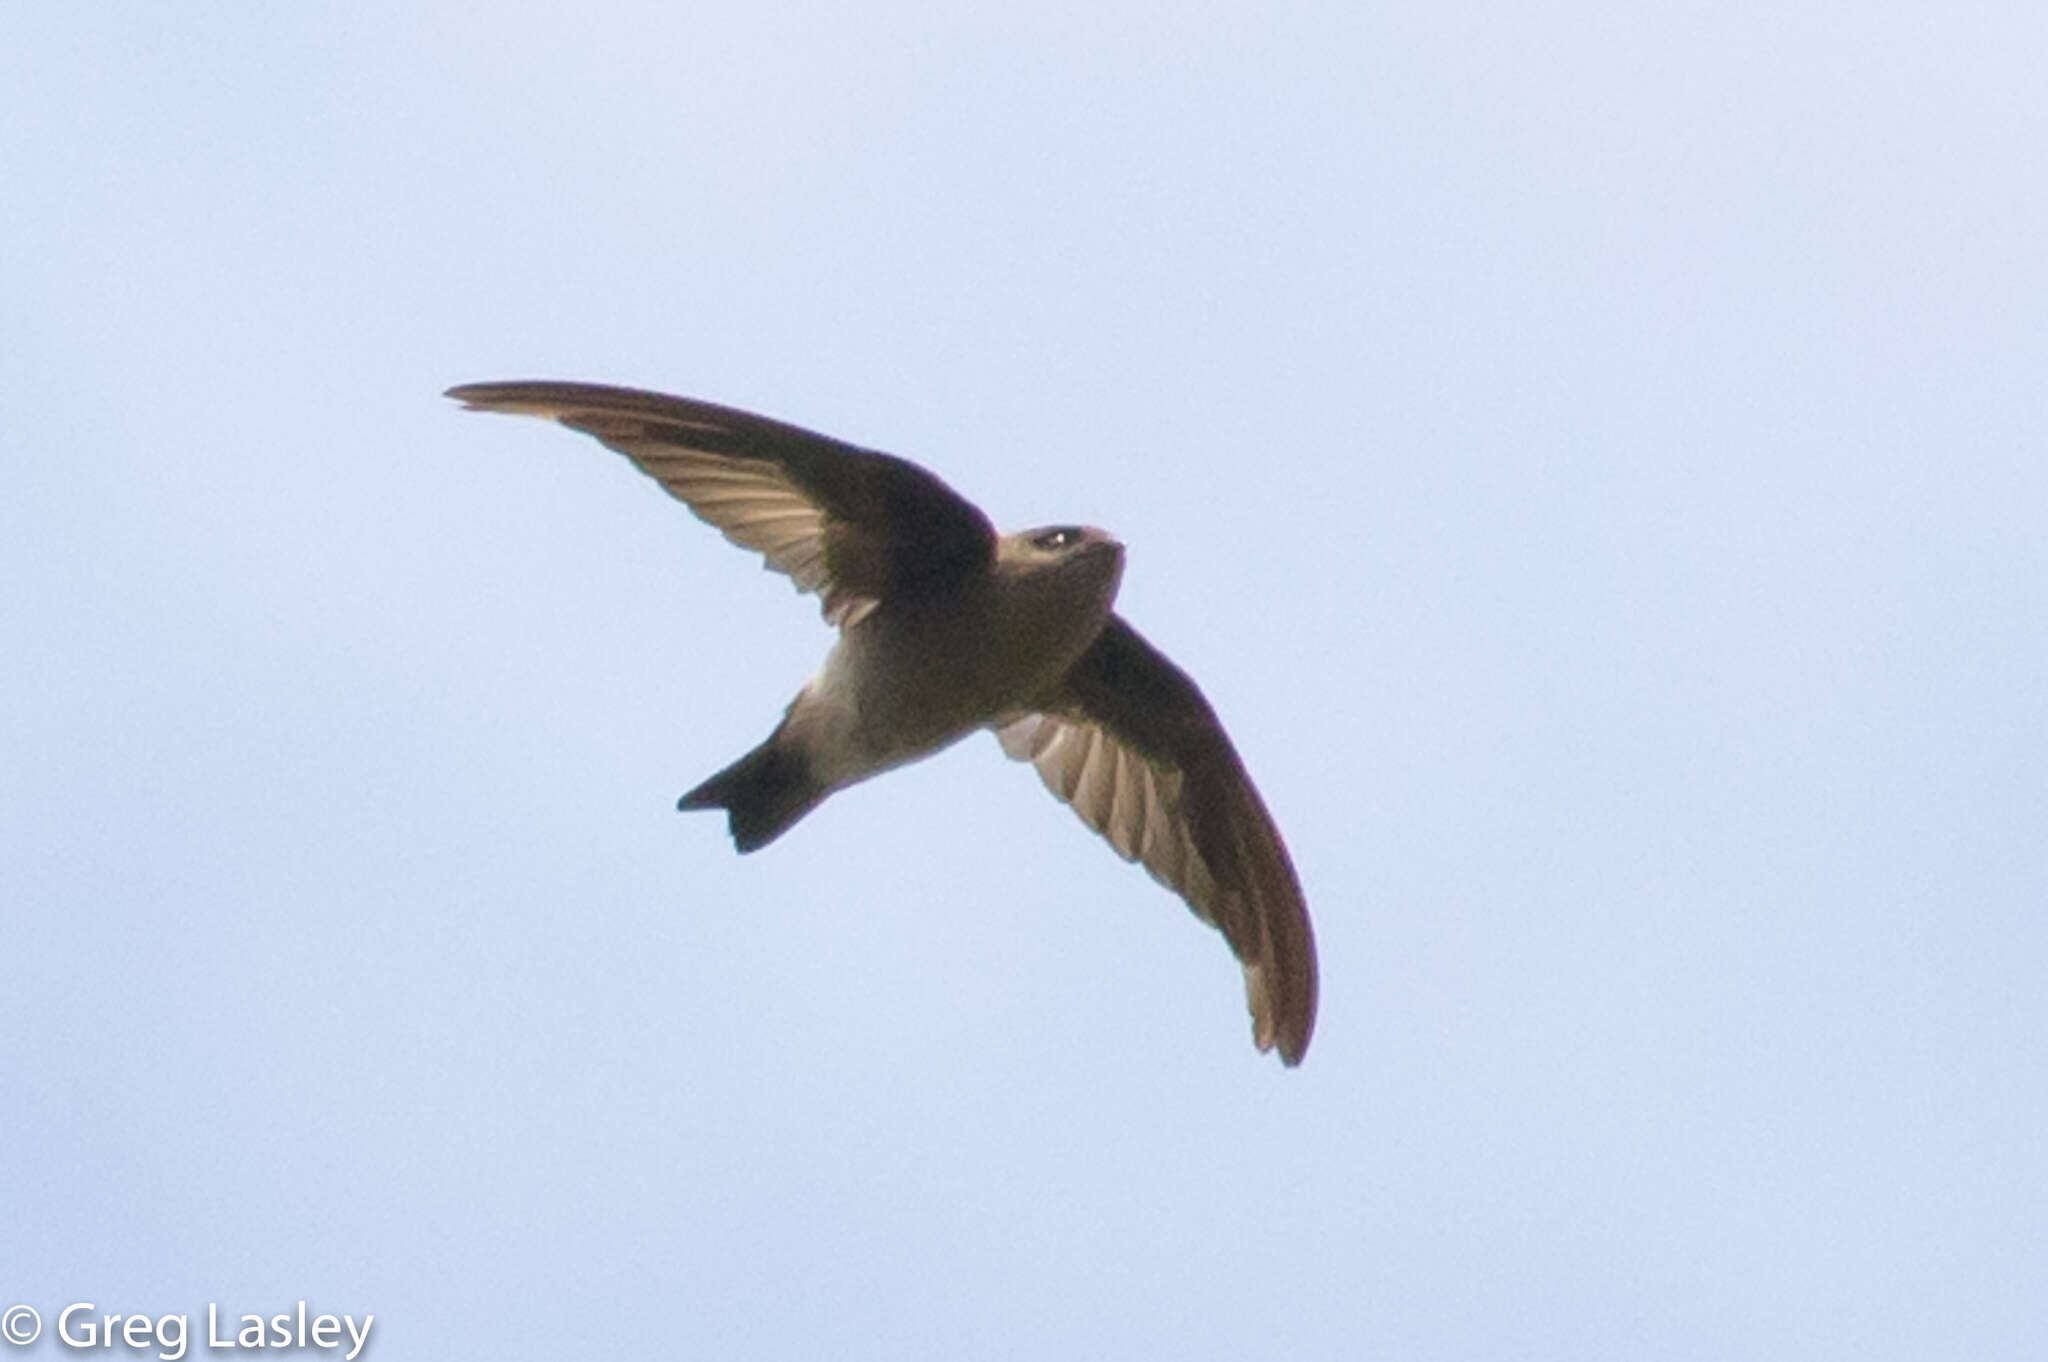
1595	457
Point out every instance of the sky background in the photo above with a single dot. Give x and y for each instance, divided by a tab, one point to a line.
1594	457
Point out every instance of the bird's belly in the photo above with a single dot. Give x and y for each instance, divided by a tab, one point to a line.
902	686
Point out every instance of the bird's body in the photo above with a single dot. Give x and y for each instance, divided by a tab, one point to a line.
915	675
918	674
946	628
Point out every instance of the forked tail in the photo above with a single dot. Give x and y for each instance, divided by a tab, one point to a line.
763	792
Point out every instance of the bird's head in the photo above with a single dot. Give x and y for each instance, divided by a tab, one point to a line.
1079	564
1056	585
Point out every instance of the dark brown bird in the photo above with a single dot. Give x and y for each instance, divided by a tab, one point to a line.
946	627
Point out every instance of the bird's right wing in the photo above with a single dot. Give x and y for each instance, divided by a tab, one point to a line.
1133	746
851	524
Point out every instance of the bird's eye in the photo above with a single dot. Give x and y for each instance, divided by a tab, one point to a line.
1054	540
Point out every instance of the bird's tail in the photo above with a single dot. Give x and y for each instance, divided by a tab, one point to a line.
763	792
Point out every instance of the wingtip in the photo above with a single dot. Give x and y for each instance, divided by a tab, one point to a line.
1292	1048
519	397
1270	1031
474	396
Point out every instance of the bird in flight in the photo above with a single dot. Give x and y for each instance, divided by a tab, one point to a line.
946	627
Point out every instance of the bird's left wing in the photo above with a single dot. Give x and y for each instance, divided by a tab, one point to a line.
1132	745
851	524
